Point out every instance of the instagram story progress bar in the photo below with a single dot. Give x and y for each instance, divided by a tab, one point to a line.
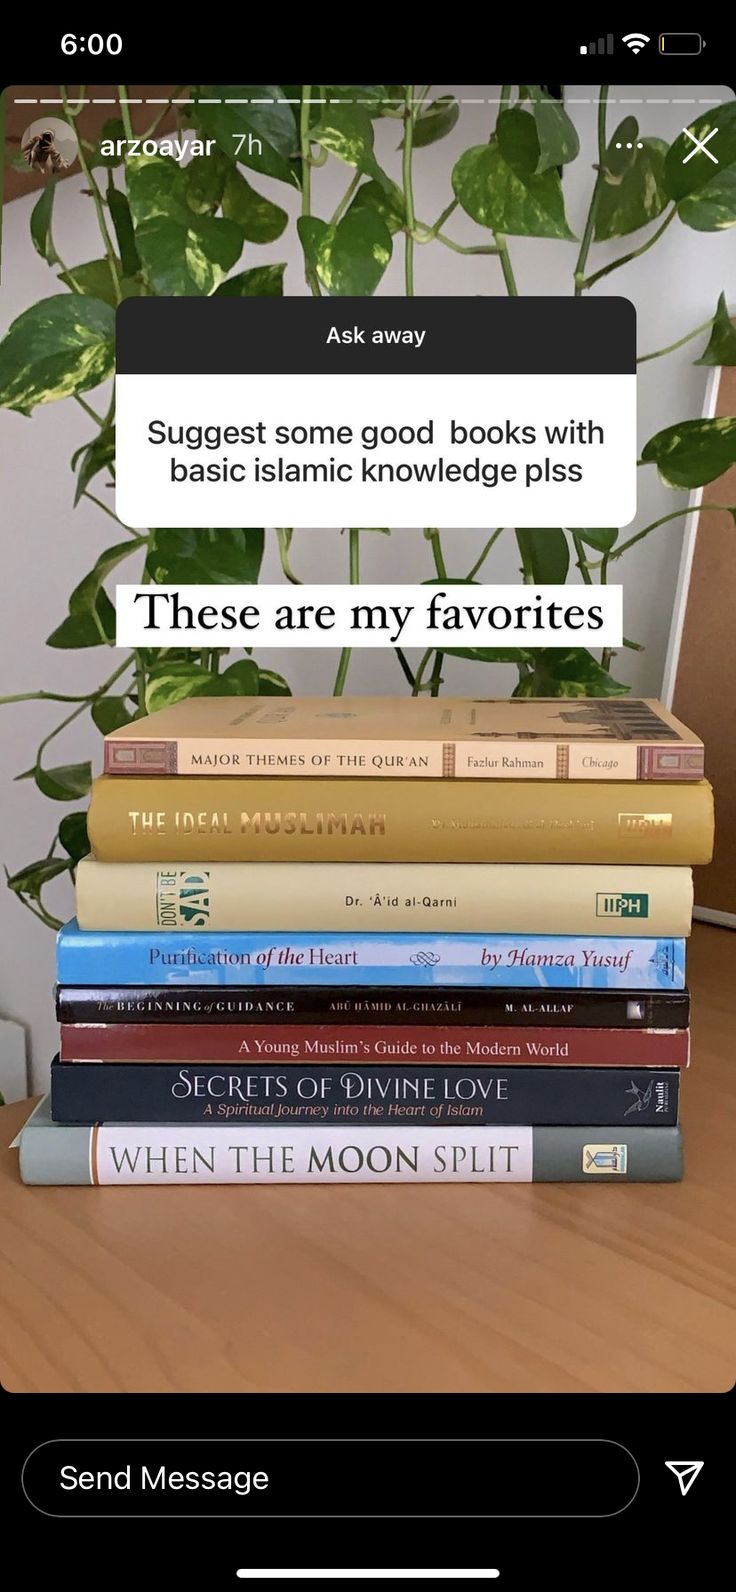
368	1575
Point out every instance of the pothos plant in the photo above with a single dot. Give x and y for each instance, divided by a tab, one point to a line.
170	228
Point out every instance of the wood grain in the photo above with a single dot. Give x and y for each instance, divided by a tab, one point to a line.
468	1289
705	684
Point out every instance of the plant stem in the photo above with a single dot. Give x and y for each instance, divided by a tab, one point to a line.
98	204
406	171
284	534
424	234
125	110
98	420
401	655
87	702
589	228
675	514
306	154
157	120
113	516
582	561
436	676
481	248
505	258
421	671
433	537
345	655
340	209
479	562
681	341
632	255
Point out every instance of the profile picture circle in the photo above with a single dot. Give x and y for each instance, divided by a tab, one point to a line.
49	146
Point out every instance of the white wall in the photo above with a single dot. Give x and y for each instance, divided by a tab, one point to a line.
48	546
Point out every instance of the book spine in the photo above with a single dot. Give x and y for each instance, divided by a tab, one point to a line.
198	1153
372	959
406	759
545	1047
276	820
421	1096
463	897
201	1004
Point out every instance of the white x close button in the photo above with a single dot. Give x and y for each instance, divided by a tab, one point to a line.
699	146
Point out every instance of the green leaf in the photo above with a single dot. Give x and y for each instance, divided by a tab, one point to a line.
95	456
547	552
260	219
117	204
488	654
180	253
601	539
713	208
41	215
262	281
435	121
66	782
693	452
191	557
60	346
206	176
73	835
721	348
346	130
687	169
85	596
262	137
87	630
567	672
95	278
175	682
30	880
110	713
386	200
240	679
633	189
558	139
113	132
349	258
272	684
518	202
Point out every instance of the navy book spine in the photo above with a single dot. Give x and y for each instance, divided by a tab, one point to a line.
91	1092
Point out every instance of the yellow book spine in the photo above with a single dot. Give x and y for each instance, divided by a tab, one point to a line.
182	819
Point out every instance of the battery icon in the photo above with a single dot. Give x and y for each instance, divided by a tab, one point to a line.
681	43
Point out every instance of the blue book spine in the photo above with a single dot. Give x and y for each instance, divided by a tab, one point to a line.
527	961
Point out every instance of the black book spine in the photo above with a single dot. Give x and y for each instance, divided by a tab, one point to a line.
88	1092
517	1008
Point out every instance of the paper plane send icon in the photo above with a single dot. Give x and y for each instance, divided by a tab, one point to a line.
686	1471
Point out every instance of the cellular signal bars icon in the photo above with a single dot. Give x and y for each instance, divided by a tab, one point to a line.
599	47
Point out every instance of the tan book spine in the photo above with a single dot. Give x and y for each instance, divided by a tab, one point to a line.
492	898
276	820
406	759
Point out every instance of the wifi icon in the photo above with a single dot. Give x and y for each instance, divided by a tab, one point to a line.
635	41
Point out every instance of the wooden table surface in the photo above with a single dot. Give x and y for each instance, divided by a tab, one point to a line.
444	1289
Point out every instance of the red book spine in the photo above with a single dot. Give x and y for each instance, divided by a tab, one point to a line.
353	1044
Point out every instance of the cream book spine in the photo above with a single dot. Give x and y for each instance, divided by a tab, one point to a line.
500	898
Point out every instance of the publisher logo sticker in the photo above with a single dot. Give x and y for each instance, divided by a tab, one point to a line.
604	1158
621	905
644	823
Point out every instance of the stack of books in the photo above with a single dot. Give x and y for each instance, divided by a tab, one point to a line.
371	939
